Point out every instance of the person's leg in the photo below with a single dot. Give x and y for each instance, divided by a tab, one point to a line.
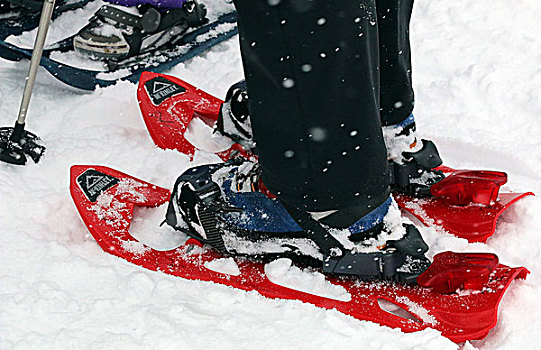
311	73
312	76
412	160
396	91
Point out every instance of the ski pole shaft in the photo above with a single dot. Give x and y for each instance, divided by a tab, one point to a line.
45	20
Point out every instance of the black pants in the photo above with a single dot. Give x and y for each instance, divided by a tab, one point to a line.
323	76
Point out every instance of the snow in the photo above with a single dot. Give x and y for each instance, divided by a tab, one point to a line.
226	266
66	25
283	273
478	82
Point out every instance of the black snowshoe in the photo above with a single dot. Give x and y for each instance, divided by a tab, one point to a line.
228	207
114	34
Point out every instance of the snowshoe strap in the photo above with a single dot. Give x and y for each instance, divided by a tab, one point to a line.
383	264
411	244
378	265
198	196
118	16
328	245
420	162
214	237
152	21
428	157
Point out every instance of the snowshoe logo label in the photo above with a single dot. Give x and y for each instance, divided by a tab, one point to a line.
160	89
93	183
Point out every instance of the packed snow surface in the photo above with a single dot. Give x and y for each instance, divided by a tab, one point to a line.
477	78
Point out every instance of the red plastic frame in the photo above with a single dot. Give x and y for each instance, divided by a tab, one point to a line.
472	216
459	317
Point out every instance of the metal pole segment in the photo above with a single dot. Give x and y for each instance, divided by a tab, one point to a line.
45	20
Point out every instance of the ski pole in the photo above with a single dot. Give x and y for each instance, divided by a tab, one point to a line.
45	20
16	143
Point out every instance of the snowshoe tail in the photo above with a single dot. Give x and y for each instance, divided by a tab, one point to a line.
109	222
467	203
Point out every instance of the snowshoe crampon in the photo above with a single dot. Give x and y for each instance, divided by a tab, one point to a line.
467	203
106	198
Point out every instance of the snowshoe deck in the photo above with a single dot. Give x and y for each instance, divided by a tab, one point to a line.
192	44
168	105
106	198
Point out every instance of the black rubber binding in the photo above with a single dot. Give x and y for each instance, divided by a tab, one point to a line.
419	163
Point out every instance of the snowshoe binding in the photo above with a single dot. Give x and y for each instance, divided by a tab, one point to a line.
413	162
116	33
228	207
234	119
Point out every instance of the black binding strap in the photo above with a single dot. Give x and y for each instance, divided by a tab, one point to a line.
338	260
424	160
210	225
200	198
328	245
152	20
377	265
120	16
